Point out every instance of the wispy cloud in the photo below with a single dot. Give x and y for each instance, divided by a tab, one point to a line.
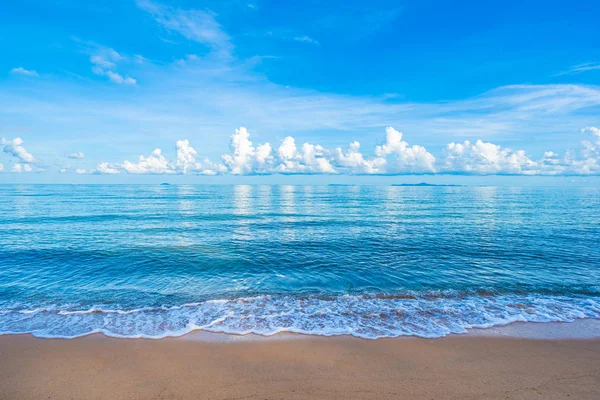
23	71
121	80
306	39
198	98
197	25
364	21
105	57
106	61
202	97
580	68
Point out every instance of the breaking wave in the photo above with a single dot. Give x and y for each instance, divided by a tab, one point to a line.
428	315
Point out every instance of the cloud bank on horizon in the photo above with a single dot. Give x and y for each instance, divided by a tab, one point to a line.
394	156
319	98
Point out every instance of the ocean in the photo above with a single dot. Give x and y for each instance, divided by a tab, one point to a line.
370	261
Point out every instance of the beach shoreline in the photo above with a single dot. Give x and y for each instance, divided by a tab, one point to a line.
342	367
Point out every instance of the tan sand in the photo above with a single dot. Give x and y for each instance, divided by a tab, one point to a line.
466	367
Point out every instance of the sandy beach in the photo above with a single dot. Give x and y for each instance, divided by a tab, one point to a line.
459	367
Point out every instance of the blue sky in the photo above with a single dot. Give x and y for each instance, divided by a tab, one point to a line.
87	88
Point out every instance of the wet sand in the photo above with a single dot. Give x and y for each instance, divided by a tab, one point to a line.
459	367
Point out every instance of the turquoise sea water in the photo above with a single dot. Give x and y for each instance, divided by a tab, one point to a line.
370	261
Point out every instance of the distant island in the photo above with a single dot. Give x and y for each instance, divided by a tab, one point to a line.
421	184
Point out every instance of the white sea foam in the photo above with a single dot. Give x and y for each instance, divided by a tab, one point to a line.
366	316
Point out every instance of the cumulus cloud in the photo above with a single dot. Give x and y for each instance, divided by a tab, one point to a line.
393	156
23	71
309	159
78	155
241	158
16	149
186	155
156	163
411	159
486	158
106	168
396	156
186	161
594	146
354	162
1	167
18	168
588	160
80	171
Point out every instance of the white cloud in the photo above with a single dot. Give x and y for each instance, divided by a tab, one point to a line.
156	163
1	167
140	59
241	159
594	131
589	160
395	156
23	71
15	148
196	25
392	157
19	168
580	68
310	159
408	159
486	158
245	159
105	58
186	156
354	162
78	155
186	161
80	171
105	61
263	156
106	168
313	158
117	78
306	39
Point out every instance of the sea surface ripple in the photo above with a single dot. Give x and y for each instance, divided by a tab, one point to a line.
369	261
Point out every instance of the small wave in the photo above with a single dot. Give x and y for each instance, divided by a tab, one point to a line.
428	315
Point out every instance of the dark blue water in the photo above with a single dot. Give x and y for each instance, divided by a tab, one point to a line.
371	261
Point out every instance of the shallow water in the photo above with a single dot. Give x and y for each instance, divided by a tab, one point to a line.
370	261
